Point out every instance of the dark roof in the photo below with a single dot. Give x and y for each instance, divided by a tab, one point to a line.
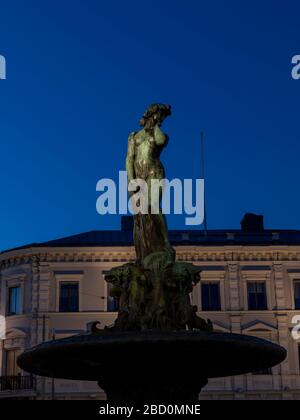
177	237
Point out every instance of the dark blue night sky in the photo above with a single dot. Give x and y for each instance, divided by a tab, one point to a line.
81	73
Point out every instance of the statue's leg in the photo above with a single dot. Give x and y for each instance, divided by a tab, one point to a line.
164	228
137	237
160	217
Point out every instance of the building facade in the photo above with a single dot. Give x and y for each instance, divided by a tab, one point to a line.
250	284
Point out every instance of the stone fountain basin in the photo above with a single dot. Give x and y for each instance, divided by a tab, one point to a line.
93	356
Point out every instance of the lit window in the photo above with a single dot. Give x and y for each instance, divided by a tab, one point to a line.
211	297
69	297
257	299
14	301
297	294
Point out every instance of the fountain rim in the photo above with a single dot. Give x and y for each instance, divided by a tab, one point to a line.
76	351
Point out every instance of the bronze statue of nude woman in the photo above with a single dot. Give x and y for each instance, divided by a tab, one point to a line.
143	162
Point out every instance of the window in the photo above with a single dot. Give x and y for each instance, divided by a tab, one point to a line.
14	301
12	369
297	294
112	302
211	297
69	297
257	299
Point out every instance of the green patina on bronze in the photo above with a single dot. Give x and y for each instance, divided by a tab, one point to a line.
154	293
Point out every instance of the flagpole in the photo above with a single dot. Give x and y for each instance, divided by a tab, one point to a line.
203	177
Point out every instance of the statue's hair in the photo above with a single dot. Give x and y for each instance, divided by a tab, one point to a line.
165	110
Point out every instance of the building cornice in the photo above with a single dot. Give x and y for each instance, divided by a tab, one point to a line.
203	254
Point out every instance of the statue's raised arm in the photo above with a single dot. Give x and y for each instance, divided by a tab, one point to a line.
160	138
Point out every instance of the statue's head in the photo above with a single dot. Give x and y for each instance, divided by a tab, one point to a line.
155	114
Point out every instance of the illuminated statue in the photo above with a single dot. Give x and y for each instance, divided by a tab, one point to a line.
143	162
154	293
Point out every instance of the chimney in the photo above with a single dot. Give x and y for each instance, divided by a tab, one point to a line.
252	223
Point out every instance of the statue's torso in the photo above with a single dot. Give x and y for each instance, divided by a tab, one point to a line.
147	157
